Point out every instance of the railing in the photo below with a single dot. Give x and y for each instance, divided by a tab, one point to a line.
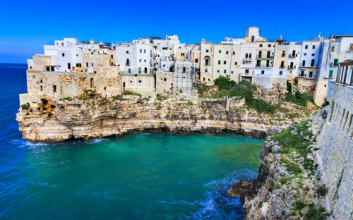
293	56
247	60
345	73
292	67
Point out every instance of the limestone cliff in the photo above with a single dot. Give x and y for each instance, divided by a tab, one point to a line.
297	178
176	114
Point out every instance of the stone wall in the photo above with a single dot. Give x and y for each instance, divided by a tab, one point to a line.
336	150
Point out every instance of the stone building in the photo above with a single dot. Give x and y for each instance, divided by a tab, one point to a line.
100	76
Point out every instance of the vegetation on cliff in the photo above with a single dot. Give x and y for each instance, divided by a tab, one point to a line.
296	97
243	89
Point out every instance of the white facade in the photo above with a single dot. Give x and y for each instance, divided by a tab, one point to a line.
65	54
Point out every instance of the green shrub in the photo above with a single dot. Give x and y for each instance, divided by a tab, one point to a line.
314	213
66	99
131	93
289	87
326	103
299	205
161	97
292	167
174	117
118	97
25	106
284	180
211	117
298	98
321	190
243	89
44	101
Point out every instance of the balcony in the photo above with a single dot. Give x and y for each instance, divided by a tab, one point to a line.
333	65
293	56
264	58
247	60
292	67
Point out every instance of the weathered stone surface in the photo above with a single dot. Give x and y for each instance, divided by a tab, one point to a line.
175	115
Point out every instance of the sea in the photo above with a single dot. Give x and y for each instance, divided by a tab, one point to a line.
137	176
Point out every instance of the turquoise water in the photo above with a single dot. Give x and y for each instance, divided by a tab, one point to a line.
137	176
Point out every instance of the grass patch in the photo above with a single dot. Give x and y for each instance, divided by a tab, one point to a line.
131	93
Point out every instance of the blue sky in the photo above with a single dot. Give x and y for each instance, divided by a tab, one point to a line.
25	26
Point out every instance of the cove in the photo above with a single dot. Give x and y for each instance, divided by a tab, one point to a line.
137	176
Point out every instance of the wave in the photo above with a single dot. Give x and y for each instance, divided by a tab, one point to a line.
217	204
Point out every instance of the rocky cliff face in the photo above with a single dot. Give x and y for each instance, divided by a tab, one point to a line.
290	184
176	114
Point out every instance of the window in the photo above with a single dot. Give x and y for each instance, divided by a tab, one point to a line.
145	69
225	71
313	54
86	64
78	64
303	63
268	54
233	53
54	88
207	62
252	39
227	52
247	71
196	60
302	73
332	49
140	50
306	46
77	55
267	63
313	62
184	69
260	54
144	51
269	45
127	52
140	81
235	63
140	60
165	79
258	63
224	62
281	72
144	61
48	68
91	83
206	51
41	88
219	62
63	54
139	69
282	64
313	46
249	55
182	54
69	66
41	81
330	74
283	53
260	45
220	51
335	62
262	71
111	56
311	74
217	71
246	55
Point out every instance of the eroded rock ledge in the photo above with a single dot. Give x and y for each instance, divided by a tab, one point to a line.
85	119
